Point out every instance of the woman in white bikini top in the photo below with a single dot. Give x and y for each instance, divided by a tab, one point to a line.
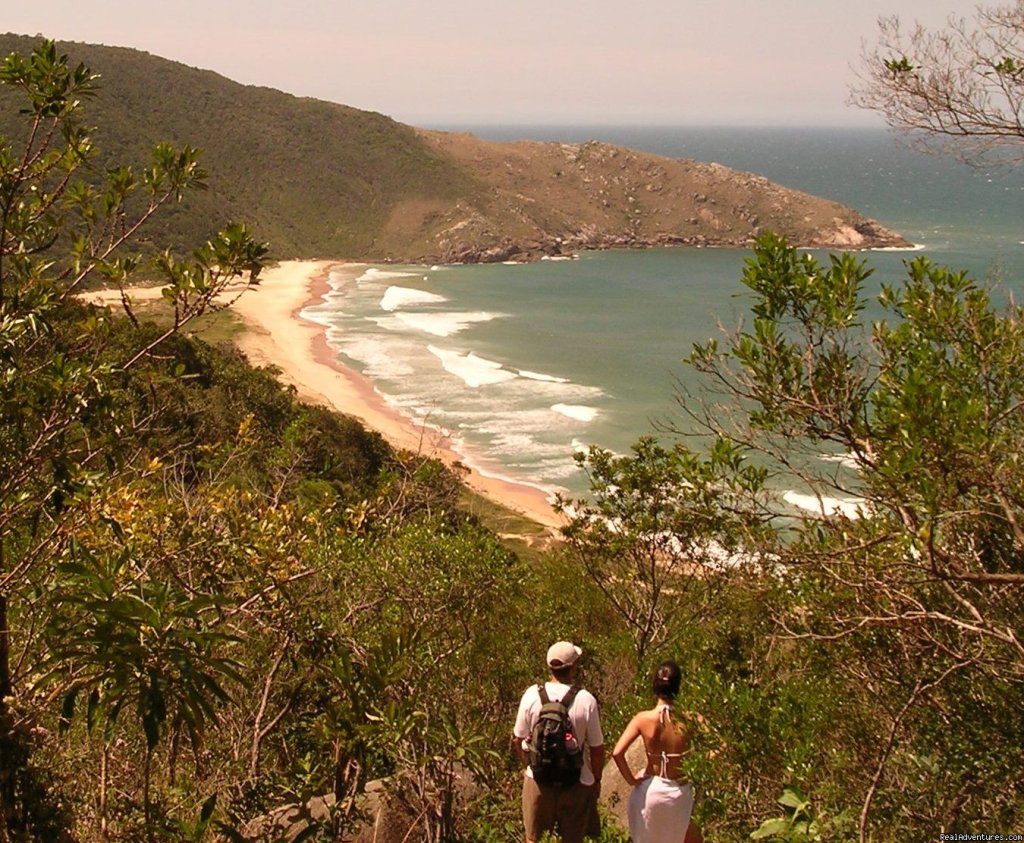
665	741
661	802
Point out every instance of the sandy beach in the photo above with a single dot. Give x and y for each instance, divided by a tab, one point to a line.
278	336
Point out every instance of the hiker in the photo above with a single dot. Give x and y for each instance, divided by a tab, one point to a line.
558	736
662	800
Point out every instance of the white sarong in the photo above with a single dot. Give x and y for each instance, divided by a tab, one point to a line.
659	810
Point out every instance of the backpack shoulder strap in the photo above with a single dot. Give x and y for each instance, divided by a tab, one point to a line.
570	695
544	700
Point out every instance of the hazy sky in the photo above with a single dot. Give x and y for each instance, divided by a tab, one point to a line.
559	61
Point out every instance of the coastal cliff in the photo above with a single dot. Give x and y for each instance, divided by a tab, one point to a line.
318	179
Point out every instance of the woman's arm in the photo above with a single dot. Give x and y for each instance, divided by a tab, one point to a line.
629	734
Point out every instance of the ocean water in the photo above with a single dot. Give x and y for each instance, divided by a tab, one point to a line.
523	365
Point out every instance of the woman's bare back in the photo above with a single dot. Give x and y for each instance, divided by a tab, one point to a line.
666	740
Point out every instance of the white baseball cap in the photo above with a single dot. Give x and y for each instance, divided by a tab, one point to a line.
562	654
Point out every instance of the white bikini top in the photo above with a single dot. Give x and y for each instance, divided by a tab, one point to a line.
665	716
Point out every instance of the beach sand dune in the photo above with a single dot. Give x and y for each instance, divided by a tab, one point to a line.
277	335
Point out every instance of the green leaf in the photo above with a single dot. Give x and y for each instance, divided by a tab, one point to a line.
771	828
207	810
792	798
67	708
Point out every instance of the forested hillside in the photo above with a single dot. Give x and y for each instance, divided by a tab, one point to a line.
312	177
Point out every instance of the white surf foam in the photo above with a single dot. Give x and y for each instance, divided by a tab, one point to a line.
374	274
336	280
486	470
538	376
398	297
578	412
513	441
473	370
845	460
443	324
318	315
377	357
849	507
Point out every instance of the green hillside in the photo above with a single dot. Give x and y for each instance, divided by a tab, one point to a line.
310	177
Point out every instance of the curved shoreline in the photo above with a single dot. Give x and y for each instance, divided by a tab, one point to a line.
278	335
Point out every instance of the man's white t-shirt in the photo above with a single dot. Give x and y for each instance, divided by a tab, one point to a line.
586	723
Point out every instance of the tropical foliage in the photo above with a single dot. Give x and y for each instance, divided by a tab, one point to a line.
213	598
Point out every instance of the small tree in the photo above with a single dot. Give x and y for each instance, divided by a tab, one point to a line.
958	89
660	528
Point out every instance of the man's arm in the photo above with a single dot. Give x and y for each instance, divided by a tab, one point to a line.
595	741
518	750
523	727
597	763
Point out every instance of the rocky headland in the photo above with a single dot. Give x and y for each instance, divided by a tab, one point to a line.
547	199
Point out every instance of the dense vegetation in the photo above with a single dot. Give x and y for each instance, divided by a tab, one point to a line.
215	600
879	659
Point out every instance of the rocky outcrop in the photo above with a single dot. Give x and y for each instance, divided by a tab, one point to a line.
546	199
377	816
614	790
386	820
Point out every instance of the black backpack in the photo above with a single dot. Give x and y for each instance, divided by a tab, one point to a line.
556	756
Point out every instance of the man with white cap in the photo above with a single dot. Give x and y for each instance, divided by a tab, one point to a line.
564	809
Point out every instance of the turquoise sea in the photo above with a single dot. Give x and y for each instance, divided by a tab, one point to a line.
521	365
